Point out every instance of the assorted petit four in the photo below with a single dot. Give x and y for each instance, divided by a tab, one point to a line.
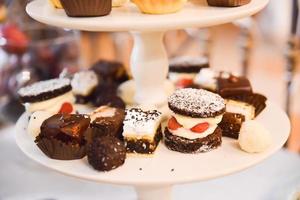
231	124
87	8
53	96
159	6
107	121
62	136
106	153
142	130
227	3
193	127
182	70
83	85
254	137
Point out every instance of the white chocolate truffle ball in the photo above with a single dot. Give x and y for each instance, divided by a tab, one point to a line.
118	3
254	137
35	122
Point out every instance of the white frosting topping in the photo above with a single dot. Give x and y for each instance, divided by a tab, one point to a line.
187	133
241	108
188	61
254	137
103	111
175	76
84	82
139	123
189	122
44	86
52	105
197	101
207	79
35	122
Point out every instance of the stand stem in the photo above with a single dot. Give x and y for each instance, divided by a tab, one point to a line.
149	66
154	192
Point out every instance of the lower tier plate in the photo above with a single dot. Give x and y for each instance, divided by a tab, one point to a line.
167	167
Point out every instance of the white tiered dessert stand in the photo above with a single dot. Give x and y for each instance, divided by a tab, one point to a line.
154	176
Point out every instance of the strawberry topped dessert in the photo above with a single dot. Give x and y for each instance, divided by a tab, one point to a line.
193	126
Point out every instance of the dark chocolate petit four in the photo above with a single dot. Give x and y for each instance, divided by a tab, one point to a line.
84	84
111	71
106	153
62	136
87	8
47	95
107	121
231	124
182	70
142	130
193	127
227	3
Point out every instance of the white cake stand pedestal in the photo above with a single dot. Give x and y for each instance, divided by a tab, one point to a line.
153	177
149	61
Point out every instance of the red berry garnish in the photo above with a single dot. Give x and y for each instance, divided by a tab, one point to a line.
183	83
200	128
173	124
66	108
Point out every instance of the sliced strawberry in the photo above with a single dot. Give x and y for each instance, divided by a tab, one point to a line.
183	83
66	108
173	124
200	128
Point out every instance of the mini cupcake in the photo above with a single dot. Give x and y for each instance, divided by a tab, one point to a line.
118	3
87	8
159	6
56	3
193	126
227	3
62	136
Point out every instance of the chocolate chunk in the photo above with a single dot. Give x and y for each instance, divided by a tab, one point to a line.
231	124
106	153
233	85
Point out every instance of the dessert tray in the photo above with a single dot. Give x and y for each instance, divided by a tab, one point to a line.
154	176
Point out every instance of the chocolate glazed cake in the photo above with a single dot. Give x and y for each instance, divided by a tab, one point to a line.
193	126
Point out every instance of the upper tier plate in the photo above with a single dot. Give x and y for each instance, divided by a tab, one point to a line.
167	167
129	18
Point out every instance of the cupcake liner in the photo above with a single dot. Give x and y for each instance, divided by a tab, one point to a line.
58	150
87	8
159	6
227	3
255	99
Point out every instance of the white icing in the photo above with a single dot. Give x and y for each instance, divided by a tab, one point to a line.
103	111
118	3
44	86
141	124
188	61
241	108
52	105
207	78
187	133
189	122
84	82
175	76
254	137
35	122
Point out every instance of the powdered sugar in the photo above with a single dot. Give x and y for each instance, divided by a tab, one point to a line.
43	87
197	101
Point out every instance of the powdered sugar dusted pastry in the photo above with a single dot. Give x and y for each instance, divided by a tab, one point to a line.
83	85
193	127
142	130
183	69
118	3
53	96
